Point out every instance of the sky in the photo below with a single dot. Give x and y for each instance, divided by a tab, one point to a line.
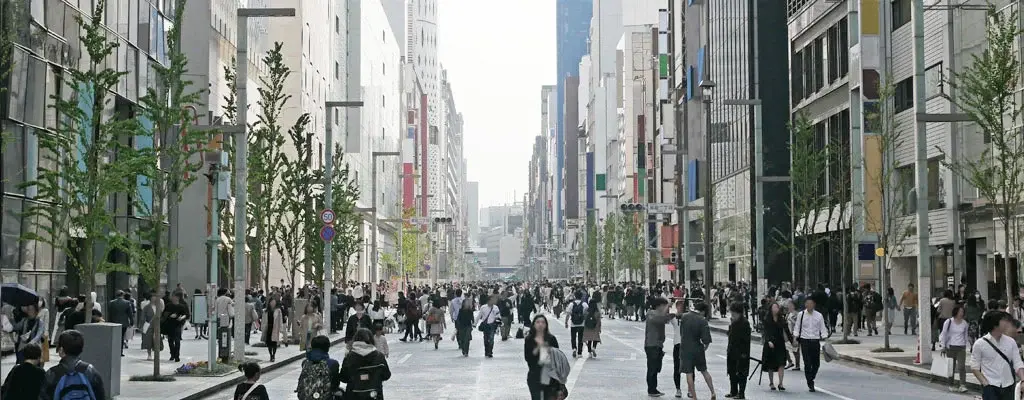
498	55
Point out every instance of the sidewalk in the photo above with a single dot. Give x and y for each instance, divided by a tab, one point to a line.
184	387
900	362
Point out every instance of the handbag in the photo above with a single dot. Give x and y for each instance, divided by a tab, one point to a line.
942	366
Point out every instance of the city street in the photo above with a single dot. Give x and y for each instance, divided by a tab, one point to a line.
420	372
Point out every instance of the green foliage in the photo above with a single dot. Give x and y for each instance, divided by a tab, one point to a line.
229	116
167	106
987	93
266	160
631	242
86	161
295	215
610	236
808	167
413	245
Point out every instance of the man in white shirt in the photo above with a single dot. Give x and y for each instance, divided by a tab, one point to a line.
577	314
811	329
995	359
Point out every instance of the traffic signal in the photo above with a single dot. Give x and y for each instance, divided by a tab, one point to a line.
674	257
442	220
631	207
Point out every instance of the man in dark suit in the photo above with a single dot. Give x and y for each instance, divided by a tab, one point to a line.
738	352
119	311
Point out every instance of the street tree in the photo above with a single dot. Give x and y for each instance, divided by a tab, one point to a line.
631	244
295	216
266	158
987	92
808	169
608	241
166	117
884	212
229	114
87	160
347	240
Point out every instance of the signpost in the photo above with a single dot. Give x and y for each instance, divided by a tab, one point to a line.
327	216
661	208
327	233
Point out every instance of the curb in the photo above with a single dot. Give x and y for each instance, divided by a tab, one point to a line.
873	364
217	387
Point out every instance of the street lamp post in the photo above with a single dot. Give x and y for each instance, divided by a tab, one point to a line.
329	202
373	209
707	86
241	155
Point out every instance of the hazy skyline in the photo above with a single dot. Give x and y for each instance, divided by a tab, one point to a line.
498	55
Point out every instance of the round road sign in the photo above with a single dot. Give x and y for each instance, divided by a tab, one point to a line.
327	216
327	233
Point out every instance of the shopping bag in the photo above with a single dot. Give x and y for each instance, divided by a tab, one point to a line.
519	333
1016	391
829	351
942	366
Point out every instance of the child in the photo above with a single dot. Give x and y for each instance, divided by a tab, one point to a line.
379	340
250	390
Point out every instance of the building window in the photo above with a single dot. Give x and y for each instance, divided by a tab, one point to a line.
337	70
819	63
833	53
901	13
905	177
844	48
796	79
903	98
933	80
337	25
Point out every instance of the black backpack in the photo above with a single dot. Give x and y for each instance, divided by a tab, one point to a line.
591	321
577	313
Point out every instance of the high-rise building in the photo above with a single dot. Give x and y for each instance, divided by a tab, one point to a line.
473	211
572	24
39	61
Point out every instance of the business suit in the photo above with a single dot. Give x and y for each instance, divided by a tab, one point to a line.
119	311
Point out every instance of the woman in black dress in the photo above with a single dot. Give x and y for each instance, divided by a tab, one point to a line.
776	334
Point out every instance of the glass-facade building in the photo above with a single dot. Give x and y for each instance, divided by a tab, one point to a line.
47	41
573	32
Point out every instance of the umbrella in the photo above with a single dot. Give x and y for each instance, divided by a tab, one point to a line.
17	295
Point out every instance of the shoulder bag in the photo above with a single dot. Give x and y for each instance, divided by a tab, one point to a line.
1005	358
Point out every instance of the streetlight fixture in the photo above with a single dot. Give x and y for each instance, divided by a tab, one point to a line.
373	209
707	86
329	202
241	155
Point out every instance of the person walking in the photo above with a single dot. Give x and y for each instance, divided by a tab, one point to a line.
995	359
536	344
488	321
811	330
171	323
310	324
364	369
577	315
81	379
872	305
776	334
462	316
908	302
953	337
694	340
150	341
654	342
272	326
505	306
25	380
592	327
435	323
738	352
674	325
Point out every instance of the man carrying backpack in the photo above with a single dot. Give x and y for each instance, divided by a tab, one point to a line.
72	378
577	315
320	377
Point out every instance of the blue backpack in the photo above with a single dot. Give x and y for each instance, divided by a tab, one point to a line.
74	385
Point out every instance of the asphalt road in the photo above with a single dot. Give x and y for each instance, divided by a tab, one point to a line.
420	372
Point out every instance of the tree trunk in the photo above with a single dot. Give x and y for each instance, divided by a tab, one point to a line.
1007	269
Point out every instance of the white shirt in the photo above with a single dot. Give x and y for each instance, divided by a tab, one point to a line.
811	325
995	369
953	334
675	330
488	313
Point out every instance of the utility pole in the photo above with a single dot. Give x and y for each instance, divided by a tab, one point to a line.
241	156
707	86
924	265
329	202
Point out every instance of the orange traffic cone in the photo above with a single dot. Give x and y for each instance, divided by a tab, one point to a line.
917	359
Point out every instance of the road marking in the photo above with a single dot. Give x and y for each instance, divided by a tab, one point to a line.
624	343
816	387
574	374
639	328
404	358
